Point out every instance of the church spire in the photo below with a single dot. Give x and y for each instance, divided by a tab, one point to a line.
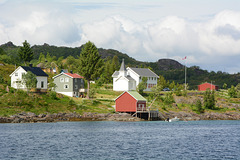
122	71
122	68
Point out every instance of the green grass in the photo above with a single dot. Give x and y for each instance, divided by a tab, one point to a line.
19	101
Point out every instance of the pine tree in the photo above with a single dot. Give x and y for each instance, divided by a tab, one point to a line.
209	99
41	58
90	63
25	52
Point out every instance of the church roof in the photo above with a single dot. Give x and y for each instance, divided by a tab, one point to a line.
122	68
115	74
144	72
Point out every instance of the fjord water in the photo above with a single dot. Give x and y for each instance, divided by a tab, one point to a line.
121	140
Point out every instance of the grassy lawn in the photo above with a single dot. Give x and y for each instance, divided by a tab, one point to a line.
15	101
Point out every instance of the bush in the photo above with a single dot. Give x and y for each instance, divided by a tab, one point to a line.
53	95
232	92
169	98
209	99
71	103
198	108
1	79
92	93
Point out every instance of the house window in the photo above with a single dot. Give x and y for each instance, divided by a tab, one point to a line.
18	82
42	84
61	79
16	74
75	79
66	79
76	86
66	86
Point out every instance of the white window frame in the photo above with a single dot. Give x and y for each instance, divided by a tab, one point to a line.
65	86
61	79
66	79
16	74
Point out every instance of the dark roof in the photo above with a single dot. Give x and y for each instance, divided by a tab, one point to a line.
144	72
35	70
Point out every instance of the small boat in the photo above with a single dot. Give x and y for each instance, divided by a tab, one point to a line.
175	119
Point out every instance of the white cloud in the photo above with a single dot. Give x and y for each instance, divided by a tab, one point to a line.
142	31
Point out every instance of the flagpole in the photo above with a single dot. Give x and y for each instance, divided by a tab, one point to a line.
185	76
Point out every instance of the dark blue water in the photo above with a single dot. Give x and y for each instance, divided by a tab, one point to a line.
121	140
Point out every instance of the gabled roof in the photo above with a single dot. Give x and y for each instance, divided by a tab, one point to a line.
143	72
135	95
208	83
128	78
115	74
71	75
35	70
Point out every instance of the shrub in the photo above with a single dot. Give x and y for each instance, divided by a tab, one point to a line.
199	109
92	92
53	95
232	92
209	99
169	98
1	79
71	103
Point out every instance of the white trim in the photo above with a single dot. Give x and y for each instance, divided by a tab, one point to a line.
64	86
62	80
70	94
121	77
16	71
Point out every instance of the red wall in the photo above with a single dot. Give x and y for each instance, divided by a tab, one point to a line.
205	86
126	103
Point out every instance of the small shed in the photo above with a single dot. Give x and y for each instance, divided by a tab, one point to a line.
205	86
130	101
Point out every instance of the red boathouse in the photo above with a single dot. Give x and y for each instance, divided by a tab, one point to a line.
130	101
205	86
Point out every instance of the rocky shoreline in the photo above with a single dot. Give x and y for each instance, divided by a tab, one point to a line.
58	117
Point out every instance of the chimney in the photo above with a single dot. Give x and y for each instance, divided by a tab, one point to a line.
71	72
30	65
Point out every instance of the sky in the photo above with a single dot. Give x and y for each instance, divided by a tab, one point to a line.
207	32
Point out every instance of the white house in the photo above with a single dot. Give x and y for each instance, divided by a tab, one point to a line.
128	79
16	77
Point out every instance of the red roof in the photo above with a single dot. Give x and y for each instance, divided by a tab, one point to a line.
73	75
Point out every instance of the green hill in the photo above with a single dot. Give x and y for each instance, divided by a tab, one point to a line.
170	69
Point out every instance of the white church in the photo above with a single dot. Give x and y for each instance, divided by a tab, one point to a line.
127	79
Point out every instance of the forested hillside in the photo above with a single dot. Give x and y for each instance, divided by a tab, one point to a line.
170	69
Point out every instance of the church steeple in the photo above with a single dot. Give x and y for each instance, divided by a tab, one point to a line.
122	71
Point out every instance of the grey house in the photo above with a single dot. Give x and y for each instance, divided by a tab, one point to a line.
69	84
